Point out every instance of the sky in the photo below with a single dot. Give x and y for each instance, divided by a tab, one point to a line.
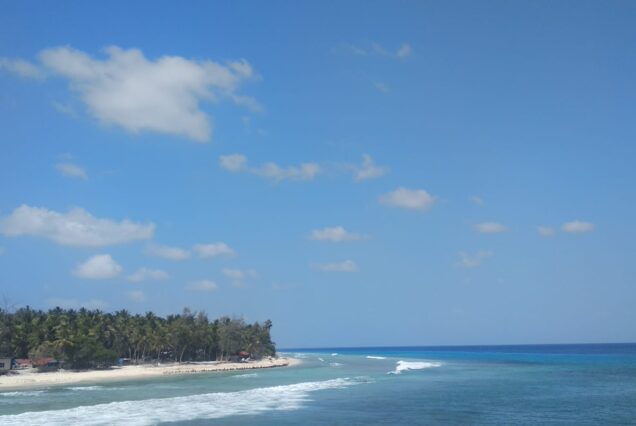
361	173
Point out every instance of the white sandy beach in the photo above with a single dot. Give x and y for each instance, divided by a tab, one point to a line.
25	379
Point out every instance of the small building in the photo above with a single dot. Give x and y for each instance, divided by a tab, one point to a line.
47	364
124	361
5	365
22	363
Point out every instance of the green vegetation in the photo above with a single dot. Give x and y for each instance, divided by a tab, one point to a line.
92	338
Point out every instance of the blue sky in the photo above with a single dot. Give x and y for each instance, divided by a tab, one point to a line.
366	173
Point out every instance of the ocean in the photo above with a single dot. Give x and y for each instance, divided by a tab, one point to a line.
476	385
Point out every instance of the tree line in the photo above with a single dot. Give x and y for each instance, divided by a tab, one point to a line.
91	338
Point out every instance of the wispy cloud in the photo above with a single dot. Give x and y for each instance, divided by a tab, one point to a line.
404	51
467	260
213	250
335	234
202	285
136	296
374	49
77	227
490	228
147	274
167	252
368	169
412	199
65	109
237	163
72	170
98	267
344	266
21	68
381	87
577	227
239	274
477	200
545	231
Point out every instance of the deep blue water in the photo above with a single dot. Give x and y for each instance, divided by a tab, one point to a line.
508	385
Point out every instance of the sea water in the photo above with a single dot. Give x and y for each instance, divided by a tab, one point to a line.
508	385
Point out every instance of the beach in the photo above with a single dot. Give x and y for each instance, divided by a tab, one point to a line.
28	379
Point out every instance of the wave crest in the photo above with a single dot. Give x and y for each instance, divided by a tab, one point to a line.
413	365
183	408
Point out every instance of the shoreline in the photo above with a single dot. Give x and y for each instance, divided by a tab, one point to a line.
26	379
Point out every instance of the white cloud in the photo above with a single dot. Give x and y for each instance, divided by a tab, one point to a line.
71	170
375	49
238	163
233	163
136	296
368	169
128	90
306	171
146	274
490	228
213	250
77	227
202	285
344	266
98	267
167	252
545	231
404	51
577	227
65	109
239	274
335	234
350	49
381	87
473	260
76	304
414	199
21	68
476	200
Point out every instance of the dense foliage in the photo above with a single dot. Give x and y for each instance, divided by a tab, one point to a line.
92	338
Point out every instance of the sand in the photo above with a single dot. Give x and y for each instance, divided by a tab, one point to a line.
26	379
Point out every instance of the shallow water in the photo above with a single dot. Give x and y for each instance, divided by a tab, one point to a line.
556	384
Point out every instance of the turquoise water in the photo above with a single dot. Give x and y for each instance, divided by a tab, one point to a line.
553	384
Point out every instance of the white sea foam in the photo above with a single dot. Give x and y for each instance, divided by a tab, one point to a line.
321	359
21	393
299	355
375	357
246	376
413	365
183	408
334	354
335	364
85	388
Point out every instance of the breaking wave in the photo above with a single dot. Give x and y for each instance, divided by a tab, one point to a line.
375	357
245	376
413	365
85	388
21	393
183	408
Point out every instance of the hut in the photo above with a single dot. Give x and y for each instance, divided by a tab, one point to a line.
5	365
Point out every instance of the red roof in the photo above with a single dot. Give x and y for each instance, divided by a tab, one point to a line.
42	361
